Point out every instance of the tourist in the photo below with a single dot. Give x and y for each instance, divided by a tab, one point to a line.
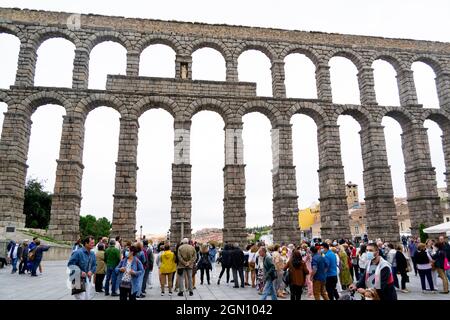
118	243
280	262
252	263
335	250
38	257
194	267
354	258
412	249
101	267
237	265
77	245
318	274
23	256
307	258
31	254
112	259
431	250
225	260
85	264
212	257
392	260
446	244
362	260
187	256
331	279
260	277
148	267
12	254
378	275
297	274
130	270
344	274
439	259
204	264
381	248
246	267
143	259
167	269
424	260
269	275
402	267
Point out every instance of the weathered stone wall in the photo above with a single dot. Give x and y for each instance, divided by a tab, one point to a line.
132	95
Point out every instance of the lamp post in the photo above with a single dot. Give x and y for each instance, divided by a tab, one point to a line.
141	233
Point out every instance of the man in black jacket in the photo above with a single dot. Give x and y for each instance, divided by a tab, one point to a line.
237	265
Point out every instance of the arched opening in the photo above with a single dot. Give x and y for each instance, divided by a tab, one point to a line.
425	85
351	155
392	135
207	159
306	159
9	55
254	66
3	109
386	88
154	177
54	64
300	77
157	60
434	133
208	64
44	144
257	141
344	81
101	142
106	58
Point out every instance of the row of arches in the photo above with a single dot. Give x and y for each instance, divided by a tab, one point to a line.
55	66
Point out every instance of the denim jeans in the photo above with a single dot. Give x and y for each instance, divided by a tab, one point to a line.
269	289
186	272
111	276
14	265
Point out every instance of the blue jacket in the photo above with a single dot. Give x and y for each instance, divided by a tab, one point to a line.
84	260
136	280
319	264
331	262
212	255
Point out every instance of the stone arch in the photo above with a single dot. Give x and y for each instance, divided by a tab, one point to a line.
211	43
103	36
12	30
402	116
430	61
165	103
311	110
50	33
259	46
270	111
310	53
4	97
209	104
170	41
442	118
88	104
396	62
353	56
44	97
360	114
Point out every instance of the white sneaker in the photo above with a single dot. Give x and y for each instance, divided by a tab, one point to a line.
170	294
162	293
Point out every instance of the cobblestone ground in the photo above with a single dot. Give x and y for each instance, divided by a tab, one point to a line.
51	285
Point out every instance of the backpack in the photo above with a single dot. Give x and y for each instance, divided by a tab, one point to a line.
32	254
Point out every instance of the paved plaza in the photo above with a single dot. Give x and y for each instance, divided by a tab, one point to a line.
51	285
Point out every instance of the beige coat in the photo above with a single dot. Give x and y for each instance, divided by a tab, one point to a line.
186	256
101	265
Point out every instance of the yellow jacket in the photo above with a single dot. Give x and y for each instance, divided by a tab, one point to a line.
167	262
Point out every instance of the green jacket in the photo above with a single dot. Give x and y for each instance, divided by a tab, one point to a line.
112	257
269	269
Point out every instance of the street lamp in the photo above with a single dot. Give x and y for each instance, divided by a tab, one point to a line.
141	233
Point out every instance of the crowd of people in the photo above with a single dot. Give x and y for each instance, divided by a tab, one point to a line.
328	270
27	254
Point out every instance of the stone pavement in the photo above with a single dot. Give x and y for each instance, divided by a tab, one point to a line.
51	285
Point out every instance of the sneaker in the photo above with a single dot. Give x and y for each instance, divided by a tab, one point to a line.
106	294
180	294
404	291
191	293
162	293
170	294
114	294
443	292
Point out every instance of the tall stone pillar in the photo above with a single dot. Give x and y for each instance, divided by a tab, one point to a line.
124	211
234	186
366	84
285	206
13	167
26	65
334	215
80	74
183	67
406	87
133	63
381	213
420	176
323	82
66	201
232	70
446	148
180	212
443	89
278	77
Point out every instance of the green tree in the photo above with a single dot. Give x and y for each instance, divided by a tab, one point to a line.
91	226
37	205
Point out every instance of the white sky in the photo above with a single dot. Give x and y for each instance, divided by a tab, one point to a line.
155	152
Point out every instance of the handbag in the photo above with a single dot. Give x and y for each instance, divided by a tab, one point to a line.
446	264
82	281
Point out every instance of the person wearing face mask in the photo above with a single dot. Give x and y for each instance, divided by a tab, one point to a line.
378	275
331	280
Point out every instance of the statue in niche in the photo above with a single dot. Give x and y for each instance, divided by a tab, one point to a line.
184	71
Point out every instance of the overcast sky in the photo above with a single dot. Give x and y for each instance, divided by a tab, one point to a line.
426	20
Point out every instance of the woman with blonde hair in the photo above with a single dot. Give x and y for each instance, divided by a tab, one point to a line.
167	268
